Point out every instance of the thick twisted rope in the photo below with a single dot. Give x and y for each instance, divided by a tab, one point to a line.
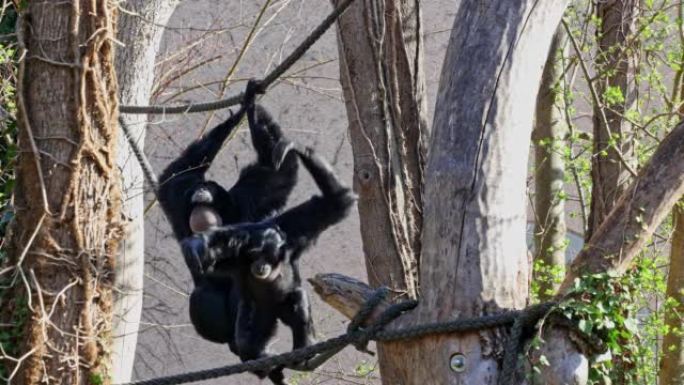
140	156
359	337
266	82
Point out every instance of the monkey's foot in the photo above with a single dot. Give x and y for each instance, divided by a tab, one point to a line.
280	151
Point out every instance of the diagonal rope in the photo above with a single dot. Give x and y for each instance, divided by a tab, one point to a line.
202	107
140	156
266	82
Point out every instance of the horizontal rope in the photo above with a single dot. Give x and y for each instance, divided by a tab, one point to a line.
359	337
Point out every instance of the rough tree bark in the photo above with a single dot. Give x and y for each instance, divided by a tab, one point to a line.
672	368
672	362
139	29
473	242
609	173
548	136
381	69
638	213
67	195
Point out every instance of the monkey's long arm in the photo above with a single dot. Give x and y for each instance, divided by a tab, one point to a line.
187	171
263	187
194	162
197	157
220	246
305	222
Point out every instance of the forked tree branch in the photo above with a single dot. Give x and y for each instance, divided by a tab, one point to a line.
638	212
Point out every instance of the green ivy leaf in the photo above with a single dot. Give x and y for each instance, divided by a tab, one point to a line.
613	95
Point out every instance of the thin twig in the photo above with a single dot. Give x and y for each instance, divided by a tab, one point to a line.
231	71
266	82
597	100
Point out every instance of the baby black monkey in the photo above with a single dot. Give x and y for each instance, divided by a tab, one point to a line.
243	257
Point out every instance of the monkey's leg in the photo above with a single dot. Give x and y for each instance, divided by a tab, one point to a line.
312	217
208	305
255	329
296	313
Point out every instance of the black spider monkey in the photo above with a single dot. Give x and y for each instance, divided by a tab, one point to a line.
243	257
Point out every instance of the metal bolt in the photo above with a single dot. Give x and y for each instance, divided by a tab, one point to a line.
457	363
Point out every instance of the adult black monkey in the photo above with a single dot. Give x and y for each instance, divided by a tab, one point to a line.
262	259
248	277
194	204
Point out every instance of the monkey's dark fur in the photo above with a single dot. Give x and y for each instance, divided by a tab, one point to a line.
242	254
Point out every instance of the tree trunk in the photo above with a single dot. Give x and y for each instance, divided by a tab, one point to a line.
672	362
672	368
549	205
140	32
381	69
609	173
67	195
475	211
473	239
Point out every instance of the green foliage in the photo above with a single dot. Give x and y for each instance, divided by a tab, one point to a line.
96	379
365	369
618	310
8	124
10	336
545	276
8	21
362	373
613	96
627	313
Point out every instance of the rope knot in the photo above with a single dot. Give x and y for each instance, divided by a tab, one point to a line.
360	336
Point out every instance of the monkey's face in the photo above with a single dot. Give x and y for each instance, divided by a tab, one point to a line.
266	254
203	216
264	271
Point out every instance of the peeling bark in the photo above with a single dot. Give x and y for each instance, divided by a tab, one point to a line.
381	59
381	70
